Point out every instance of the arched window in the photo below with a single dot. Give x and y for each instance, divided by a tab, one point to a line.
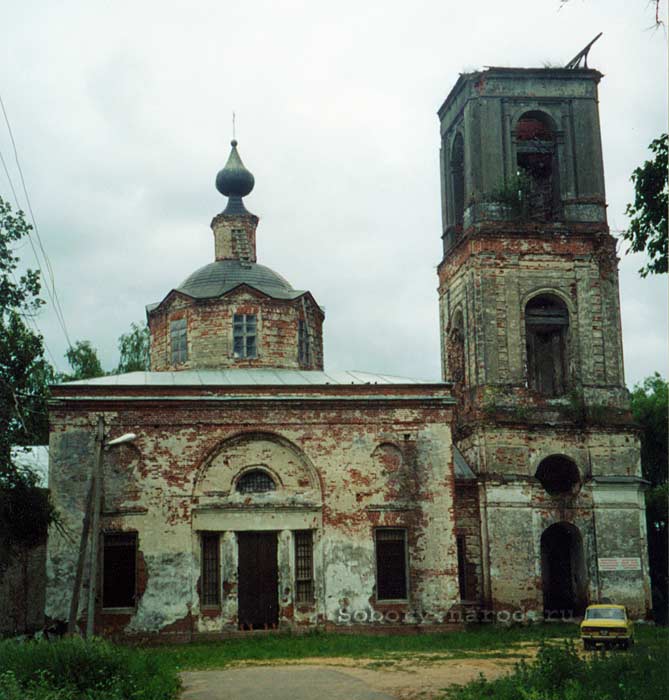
546	327
458	179
558	475
255	481
455	348
536	154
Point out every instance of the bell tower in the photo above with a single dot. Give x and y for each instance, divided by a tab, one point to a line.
531	334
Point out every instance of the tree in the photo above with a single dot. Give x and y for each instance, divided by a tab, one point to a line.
84	361
25	510
648	226
134	349
650	410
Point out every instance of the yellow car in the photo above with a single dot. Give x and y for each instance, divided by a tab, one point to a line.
606	625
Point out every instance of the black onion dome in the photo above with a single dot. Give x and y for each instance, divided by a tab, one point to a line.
220	277
234	180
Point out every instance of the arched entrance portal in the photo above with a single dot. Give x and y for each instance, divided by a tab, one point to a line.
563	571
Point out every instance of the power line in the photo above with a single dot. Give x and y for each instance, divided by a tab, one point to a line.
26	317
51	290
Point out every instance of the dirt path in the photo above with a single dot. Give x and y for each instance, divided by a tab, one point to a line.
395	677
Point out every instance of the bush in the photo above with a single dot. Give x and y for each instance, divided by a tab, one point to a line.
72	669
558	673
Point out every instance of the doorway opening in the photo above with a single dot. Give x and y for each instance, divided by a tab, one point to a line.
563	571
258	582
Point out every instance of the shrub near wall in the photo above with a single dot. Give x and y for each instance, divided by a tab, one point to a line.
72	669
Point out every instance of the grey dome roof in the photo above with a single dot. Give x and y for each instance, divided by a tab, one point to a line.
219	277
234	180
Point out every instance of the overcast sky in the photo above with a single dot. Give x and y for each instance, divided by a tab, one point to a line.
122	116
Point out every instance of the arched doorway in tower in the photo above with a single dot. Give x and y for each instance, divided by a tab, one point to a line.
563	571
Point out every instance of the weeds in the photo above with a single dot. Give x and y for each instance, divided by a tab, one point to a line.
559	673
72	669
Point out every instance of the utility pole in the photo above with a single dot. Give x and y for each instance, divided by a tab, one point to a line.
95	530
85	529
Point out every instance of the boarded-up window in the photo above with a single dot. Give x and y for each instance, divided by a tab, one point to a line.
303	349
391	564
119	568
211	569
179	340
255	481
304	567
244	335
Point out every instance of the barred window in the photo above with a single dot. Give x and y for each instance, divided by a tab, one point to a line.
244	335
179	340
211	569
119	569
255	481
391	564
303	349
304	566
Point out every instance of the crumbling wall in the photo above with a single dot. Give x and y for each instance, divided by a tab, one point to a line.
210	332
343	467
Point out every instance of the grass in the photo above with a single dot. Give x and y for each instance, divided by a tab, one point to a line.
559	672
72	669
475	641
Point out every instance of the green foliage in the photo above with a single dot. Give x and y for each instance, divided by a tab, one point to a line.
650	409
25	511
72	669
514	194
648	213
84	361
134	349
558	673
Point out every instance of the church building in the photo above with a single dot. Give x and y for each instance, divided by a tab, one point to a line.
260	491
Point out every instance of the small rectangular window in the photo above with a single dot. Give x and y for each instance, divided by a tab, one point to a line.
391	564
211	569
119	569
179	340
304	567
303	349
462	567
244	335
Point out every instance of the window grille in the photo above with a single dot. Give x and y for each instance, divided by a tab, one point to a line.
179	340
304	567
119	569
244	335
303	349
256	481
211	569
391	564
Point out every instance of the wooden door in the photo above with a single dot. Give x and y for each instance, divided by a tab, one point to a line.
257	580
